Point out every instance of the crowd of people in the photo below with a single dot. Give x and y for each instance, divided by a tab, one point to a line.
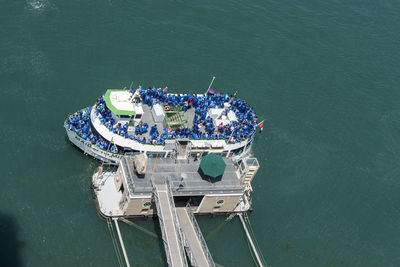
204	127
79	122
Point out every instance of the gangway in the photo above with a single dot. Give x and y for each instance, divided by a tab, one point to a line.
195	244
171	232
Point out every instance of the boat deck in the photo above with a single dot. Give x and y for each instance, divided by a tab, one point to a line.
108	198
148	118
184	177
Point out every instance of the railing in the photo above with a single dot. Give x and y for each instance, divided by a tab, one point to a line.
176	220
200	236
126	169
189	251
161	220
191	256
133	144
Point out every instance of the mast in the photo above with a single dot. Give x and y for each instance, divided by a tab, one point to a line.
211	83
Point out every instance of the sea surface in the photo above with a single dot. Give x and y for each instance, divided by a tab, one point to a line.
323	74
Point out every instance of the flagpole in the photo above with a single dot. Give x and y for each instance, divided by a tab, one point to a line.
211	83
112	141
229	140
262	125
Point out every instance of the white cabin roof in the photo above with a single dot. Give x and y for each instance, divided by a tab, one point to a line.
122	100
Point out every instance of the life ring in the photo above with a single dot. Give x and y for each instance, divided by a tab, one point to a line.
167	108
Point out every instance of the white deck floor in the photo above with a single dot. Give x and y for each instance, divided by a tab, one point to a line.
108	197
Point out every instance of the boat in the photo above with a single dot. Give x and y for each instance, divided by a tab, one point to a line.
127	122
171	156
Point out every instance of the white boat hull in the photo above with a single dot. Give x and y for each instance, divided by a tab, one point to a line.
93	150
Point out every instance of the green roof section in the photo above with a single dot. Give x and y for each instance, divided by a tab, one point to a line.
113	109
212	165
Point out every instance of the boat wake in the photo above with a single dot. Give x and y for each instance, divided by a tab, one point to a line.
38	5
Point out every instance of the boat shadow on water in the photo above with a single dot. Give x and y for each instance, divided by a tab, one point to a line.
9	244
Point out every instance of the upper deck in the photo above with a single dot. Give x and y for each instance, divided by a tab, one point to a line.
120	102
183	176
146	120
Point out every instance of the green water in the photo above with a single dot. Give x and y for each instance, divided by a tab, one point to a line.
323	74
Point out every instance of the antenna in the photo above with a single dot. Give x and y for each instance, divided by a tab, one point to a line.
211	83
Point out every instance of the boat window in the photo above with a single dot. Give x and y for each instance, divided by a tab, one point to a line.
220	202
147	204
138	116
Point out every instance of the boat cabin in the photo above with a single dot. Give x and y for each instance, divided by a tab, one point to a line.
123	108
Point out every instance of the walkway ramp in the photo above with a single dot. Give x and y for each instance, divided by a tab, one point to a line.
195	244
171	233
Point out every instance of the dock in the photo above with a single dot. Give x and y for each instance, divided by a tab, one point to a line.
195	244
179	230
175	190
171	233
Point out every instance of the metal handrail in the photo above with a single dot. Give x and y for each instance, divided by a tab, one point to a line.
189	250
128	172
176	220
200	236
163	231
191	256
